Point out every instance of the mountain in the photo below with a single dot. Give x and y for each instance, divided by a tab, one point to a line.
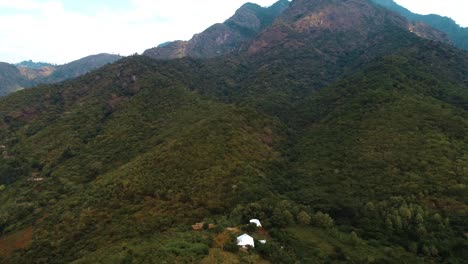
33	65
33	74
224	37
336	126
312	20
27	73
79	67
235	34
10	79
458	35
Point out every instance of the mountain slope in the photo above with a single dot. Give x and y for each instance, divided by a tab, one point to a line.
347	139
224	37
79	67
28	74
305	56
143	131
386	150
10	79
458	35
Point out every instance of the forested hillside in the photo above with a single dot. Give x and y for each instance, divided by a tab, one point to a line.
347	138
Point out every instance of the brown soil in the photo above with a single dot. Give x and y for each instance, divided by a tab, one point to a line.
19	240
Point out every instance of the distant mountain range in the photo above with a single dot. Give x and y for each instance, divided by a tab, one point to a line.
28	73
457	35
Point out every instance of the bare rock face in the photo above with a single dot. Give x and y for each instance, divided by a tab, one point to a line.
225	37
32	73
247	17
172	50
425	31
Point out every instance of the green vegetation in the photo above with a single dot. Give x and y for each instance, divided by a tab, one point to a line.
357	157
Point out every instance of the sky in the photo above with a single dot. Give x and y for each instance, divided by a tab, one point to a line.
60	31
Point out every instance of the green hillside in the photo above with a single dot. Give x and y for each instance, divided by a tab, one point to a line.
146	146
348	152
130	154
385	152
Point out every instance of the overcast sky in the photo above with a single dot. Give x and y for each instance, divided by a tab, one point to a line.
59	31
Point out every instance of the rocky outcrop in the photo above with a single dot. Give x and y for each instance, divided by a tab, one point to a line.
225	37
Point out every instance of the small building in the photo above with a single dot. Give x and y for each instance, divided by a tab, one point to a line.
256	221
245	241
262	241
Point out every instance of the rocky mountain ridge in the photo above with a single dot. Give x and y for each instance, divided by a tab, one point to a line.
237	33
225	37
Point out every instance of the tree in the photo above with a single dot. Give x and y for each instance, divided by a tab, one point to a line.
281	218
322	220
355	240
250	228
231	245
220	240
303	218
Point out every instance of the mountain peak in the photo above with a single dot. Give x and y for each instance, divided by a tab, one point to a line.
335	14
307	21
225	37
253	27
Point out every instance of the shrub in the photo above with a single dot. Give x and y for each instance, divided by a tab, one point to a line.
322	220
303	218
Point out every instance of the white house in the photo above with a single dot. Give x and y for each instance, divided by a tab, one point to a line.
256	221
245	240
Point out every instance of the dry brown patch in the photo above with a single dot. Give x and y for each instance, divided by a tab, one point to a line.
32	74
220	240
19	240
